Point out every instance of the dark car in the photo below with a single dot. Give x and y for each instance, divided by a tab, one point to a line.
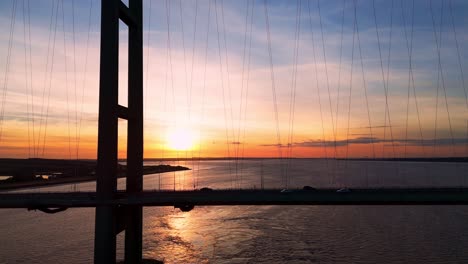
308	188
206	189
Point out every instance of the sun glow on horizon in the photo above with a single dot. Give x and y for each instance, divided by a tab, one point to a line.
180	139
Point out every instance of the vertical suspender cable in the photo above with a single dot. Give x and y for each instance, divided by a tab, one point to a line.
224	96
226	58
66	80
365	87
292	102
350	86
247	90
317	85
385	81
273	88
84	80
339	86
28	84
461	71
50	81
203	93
326	76
191	83
7	67
238	143
441	71
31	82
74	78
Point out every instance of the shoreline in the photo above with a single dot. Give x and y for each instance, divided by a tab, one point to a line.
147	170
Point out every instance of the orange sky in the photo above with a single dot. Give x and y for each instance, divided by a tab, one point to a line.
227	102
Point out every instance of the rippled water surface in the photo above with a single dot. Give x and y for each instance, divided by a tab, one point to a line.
263	234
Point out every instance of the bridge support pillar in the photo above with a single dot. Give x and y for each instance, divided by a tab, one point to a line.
110	220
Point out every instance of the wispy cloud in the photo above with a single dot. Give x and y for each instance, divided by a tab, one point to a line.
375	140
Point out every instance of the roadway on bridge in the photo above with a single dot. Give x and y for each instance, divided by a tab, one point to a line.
239	197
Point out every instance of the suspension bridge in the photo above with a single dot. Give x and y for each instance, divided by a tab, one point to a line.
118	210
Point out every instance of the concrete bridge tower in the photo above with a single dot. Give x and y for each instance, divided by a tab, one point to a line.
111	220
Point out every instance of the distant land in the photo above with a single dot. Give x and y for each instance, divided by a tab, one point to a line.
416	159
25	173
448	159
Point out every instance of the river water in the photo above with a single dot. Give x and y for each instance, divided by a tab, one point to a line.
263	234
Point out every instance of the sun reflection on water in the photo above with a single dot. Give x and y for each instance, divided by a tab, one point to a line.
176	238
204	235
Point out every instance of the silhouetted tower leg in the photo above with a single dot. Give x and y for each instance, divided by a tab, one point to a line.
110	220
133	231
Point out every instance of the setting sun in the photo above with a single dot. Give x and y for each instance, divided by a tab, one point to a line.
180	139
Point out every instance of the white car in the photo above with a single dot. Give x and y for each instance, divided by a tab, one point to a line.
343	190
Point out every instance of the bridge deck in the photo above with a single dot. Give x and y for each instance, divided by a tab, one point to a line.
240	197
